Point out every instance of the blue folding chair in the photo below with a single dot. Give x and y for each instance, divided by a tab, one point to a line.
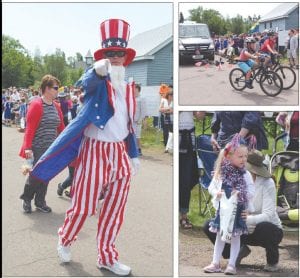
206	160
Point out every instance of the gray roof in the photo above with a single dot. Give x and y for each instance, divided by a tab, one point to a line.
282	10
148	43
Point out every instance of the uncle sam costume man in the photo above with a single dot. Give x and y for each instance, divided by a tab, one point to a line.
102	140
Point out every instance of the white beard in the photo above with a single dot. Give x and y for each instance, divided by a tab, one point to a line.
117	77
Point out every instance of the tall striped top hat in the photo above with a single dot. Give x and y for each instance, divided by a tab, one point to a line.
114	34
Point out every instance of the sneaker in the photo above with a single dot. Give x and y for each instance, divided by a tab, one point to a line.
44	208
185	223
271	267
244	252
249	84
60	190
27	206
64	252
117	268
230	270
212	268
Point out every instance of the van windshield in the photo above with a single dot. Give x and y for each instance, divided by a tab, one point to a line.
191	31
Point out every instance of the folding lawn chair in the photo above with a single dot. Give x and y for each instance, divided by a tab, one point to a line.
206	159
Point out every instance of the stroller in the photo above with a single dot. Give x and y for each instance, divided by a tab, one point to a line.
284	167
206	159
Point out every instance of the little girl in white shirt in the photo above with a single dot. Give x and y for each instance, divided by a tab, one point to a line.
230	178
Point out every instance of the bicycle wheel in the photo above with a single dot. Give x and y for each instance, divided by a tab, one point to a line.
287	75
271	83
237	79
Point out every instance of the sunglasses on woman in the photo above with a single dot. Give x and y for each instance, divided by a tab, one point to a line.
111	54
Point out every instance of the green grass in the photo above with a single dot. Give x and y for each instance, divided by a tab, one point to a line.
194	212
151	136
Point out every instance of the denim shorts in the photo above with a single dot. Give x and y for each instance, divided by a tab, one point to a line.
246	65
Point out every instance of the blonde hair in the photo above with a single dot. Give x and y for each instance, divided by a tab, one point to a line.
218	162
227	151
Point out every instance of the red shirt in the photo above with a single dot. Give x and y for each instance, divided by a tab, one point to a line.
264	47
243	56
33	118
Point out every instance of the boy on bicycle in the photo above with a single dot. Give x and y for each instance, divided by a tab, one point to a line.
268	47
246	60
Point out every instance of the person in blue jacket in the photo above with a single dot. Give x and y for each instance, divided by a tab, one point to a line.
102	140
227	123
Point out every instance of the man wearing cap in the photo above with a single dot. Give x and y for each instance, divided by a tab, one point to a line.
264	225
102	140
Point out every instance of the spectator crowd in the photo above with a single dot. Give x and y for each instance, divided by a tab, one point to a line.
15	102
230	46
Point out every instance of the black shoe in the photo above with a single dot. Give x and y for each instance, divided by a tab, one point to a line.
249	85
44	208
60	190
244	252
27	206
68	194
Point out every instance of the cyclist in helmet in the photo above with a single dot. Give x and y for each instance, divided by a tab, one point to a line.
268	47
246	60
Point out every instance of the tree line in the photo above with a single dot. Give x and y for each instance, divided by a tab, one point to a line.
20	69
218	24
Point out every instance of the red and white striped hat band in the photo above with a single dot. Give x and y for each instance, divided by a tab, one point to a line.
114	32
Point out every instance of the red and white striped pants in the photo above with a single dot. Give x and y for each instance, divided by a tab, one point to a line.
101	167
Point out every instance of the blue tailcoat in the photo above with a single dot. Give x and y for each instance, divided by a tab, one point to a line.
97	109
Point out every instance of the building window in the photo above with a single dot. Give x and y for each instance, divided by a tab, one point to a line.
271	25
265	25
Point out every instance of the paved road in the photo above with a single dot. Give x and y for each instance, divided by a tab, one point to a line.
210	86
29	241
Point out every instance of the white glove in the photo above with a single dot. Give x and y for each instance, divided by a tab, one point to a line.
102	67
135	165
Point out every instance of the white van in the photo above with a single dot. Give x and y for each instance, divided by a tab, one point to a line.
195	42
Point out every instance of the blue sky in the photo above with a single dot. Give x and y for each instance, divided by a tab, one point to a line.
74	27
